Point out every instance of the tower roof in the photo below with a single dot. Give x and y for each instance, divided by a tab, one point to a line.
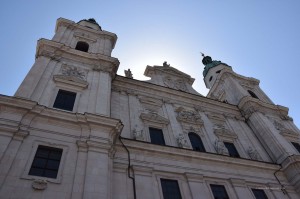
209	63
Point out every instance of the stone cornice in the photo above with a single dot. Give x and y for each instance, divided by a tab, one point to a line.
122	84
62	116
154	117
180	154
71	24
58	51
249	105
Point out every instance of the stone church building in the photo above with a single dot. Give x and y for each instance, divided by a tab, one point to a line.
76	129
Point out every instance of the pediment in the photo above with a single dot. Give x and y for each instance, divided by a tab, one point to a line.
154	117
168	71
71	81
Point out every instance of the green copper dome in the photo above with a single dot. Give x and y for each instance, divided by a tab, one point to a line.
209	63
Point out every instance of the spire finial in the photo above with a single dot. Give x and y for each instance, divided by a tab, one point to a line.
202	54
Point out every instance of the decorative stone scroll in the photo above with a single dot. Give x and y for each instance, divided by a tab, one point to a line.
222	131
188	116
39	184
182	142
220	147
73	71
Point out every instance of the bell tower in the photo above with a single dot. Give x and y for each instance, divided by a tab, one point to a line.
74	70
269	122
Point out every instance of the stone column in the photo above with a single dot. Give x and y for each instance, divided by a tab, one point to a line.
240	188
144	182
78	183
10	153
271	141
197	186
96	183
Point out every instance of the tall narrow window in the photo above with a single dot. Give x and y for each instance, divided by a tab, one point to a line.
65	100
170	189
231	149
196	142
252	94
46	162
296	145
219	191
259	194
156	136
82	46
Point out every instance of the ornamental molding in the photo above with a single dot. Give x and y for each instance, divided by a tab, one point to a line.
39	184
253	154
170	72
249	105
188	116
178	84
154	117
222	132
59	52
83	36
73	71
70	81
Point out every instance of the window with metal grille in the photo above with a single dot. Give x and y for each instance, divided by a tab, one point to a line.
170	189
219	191
46	162
156	136
296	145
196	142
259	194
82	46
65	100
231	149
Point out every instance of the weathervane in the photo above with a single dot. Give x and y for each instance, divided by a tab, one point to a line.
202	54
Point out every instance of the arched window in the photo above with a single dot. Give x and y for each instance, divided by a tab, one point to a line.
196	142
82	46
252	94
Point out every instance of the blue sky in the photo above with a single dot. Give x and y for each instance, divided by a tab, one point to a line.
258	39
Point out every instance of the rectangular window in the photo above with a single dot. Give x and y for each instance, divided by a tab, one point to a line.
156	136
170	189
297	146
259	194
231	149
219	191
65	100
46	162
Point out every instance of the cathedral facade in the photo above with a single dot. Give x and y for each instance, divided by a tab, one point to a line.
76	129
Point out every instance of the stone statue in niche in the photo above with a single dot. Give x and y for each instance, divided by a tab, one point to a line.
128	74
73	71
182	142
220	147
138	135
253	154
